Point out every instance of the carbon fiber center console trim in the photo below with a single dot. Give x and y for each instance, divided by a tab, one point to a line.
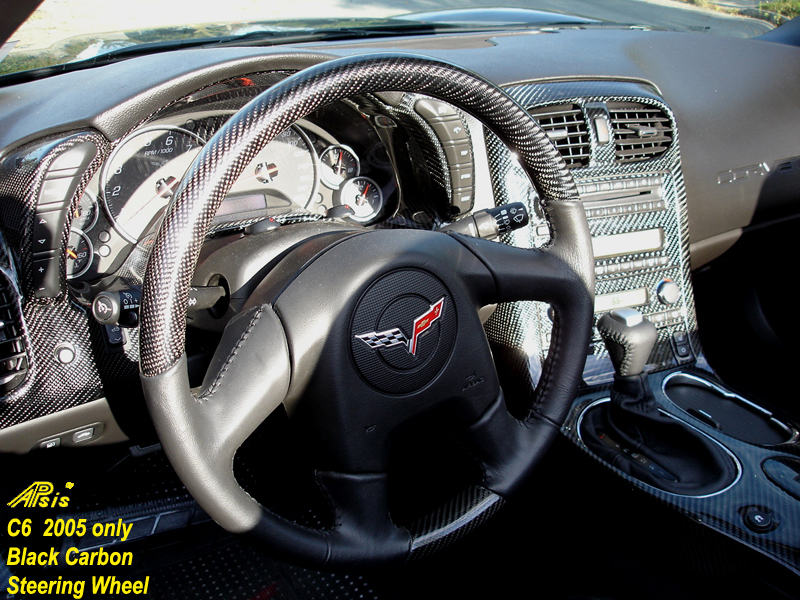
644	199
620	198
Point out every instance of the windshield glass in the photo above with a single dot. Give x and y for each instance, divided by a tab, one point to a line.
66	31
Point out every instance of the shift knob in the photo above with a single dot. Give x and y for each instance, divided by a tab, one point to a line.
629	338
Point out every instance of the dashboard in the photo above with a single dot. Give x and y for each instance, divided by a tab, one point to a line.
675	158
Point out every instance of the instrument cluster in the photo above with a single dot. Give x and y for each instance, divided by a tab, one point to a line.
332	164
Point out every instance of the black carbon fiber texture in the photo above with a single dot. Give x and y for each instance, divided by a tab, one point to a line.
723	511
47	322
21	177
428	143
222	160
52	386
526	327
431	160
462	515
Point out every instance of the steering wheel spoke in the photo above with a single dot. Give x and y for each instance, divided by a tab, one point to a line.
248	376
559	274
506	448
362	521
200	433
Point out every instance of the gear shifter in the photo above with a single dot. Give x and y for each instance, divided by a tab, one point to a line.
629	338
630	431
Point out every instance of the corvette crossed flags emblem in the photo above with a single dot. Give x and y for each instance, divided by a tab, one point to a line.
395	337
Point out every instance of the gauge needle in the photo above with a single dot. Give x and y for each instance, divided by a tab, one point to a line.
339	168
164	191
164	187
362	199
244	179
265	173
71	253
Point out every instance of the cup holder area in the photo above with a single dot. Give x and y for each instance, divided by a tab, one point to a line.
676	458
725	411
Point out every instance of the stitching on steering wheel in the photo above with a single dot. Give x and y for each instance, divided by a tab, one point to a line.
245	334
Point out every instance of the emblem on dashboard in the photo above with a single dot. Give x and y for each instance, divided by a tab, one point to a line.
395	336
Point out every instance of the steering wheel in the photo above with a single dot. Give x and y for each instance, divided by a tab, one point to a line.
360	332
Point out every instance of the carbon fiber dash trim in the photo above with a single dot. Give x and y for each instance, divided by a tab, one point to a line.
46	322
723	511
526	327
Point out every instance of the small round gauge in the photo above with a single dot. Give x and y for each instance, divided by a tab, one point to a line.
338	164
85	214
141	175
363	196
79	253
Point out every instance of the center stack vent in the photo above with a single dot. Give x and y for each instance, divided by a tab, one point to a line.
566	127
641	132
13	356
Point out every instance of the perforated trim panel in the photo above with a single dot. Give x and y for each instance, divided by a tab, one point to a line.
524	328
46	322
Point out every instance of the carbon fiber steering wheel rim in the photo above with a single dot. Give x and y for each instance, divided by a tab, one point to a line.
177	246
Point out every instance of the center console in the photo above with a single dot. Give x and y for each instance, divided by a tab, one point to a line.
621	141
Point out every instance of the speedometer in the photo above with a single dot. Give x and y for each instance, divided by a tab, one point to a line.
141	175
285	172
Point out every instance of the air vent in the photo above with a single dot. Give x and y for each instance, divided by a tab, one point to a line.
565	126
13	357
640	131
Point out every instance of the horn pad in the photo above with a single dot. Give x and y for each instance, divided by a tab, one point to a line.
403	331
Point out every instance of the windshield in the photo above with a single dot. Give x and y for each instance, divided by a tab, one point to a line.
61	32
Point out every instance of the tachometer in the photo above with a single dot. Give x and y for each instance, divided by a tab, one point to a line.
141	175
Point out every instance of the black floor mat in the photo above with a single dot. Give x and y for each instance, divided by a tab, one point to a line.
176	550
576	530
228	569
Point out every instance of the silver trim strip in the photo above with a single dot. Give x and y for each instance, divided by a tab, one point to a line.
454	526
791	431
736	461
